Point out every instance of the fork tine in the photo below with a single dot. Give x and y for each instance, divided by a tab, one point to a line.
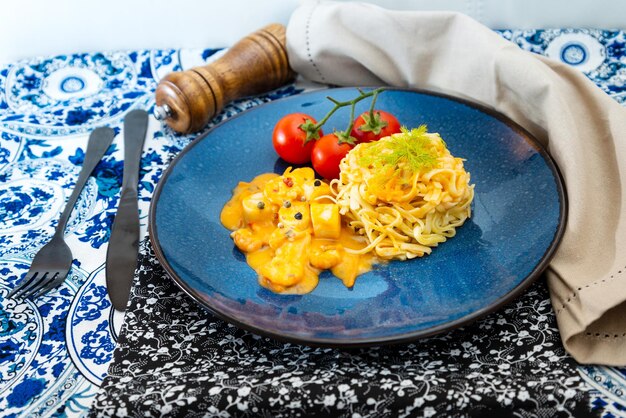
45	280
33	285
25	283
46	287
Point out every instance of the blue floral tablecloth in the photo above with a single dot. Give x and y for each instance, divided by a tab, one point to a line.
172	357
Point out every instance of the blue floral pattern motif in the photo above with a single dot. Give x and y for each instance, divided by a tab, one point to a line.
35	362
32	196
90	332
164	62
54	353
9	147
98	345
598	53
21	333
73	93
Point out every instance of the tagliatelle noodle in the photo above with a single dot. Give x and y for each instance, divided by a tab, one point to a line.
404	204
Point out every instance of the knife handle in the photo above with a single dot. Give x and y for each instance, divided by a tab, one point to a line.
187	100
135	128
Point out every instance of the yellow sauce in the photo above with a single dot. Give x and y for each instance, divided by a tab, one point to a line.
290	232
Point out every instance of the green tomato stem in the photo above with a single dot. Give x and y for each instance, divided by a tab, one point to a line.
312	130
338	105
345	136
374	97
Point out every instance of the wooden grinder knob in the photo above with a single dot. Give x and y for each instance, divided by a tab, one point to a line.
187	100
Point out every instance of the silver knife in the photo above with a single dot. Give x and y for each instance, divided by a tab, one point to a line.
124	241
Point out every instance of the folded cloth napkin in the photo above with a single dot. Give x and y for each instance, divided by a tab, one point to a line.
583	129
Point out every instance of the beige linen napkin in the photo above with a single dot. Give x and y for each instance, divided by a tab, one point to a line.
583	128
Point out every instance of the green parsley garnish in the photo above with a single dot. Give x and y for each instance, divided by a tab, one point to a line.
412	149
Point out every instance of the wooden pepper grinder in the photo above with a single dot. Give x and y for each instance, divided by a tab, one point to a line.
187	100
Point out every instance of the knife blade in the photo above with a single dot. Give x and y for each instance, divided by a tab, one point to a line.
121	259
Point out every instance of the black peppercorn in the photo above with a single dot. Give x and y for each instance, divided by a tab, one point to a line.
298	216
317	183
260	205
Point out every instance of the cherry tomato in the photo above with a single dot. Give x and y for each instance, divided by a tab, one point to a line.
327	154
384	124
289	139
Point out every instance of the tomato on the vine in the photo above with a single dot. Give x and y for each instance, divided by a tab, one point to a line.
366	129
293	143
326	155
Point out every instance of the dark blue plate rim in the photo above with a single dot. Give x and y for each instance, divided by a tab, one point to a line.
393	339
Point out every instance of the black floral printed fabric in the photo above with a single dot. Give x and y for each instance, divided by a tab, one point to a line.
174	358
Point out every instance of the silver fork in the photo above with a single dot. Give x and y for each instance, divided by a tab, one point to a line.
54	260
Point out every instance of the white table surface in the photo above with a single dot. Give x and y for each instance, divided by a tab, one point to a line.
50	27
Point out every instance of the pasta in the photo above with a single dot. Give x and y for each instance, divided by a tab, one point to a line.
405	193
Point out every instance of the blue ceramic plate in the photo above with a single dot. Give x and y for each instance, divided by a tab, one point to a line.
518	218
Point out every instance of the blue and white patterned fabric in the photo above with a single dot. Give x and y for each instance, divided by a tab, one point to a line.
55	351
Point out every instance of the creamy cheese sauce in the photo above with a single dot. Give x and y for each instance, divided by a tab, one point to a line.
290	231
